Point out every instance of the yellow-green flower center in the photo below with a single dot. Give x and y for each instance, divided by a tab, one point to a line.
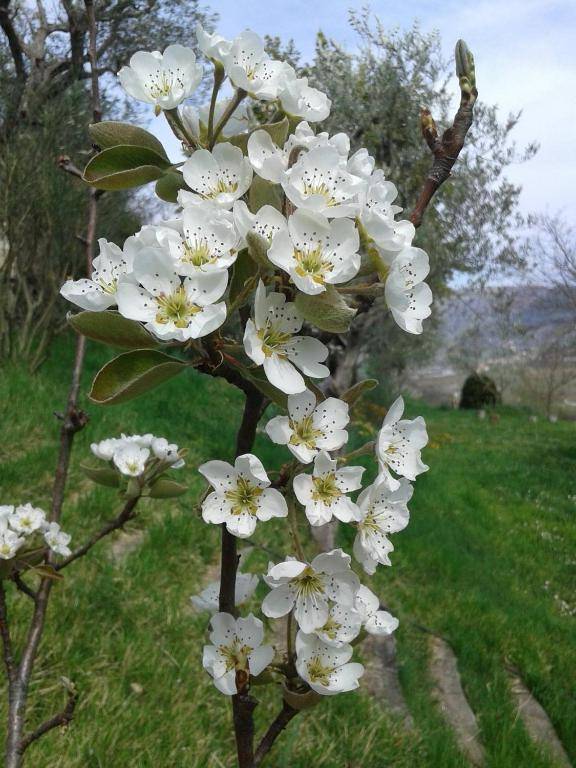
320	188
6	549
369	525
235	655
331	628
273	340
325	488
310	262
222	187
176	307
197	253
318	672
309	583
244	497
304	432
109	287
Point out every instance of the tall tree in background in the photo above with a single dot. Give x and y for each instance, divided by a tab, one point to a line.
43	113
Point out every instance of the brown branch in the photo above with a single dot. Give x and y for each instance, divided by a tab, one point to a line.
127	513
7	649
63	719
14	42
446	150
243	705
23	587
284	717
73	420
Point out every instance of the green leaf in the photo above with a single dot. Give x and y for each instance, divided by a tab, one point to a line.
132	374
110	327
262	193
258	249
168	186
165	488
327	311
30	558
112	133
358	390
278	132
102	475
124	167
245	268
47	571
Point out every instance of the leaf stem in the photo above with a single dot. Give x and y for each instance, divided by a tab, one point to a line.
228	112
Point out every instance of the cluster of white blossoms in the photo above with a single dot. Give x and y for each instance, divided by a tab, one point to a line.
173	277
337	221
26	526
136	455
325	596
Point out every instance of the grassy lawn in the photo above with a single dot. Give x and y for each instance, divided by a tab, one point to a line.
488	562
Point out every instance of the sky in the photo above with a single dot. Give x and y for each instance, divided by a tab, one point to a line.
525	60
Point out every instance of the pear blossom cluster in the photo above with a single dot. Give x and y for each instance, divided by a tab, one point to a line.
25	527
337	213
134	455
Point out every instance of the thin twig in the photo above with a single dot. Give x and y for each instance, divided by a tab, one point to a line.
446	150
127	513
63	719
23	587
284	717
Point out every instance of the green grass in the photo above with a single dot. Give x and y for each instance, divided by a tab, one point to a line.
488	561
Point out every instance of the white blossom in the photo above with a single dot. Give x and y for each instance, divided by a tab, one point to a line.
407	295
316	252
172	308
382	511
99	292
209	241
319	183
270	340
342	626
249	67
361	164
301	100
266	222
164	80
130	459
323	493
10	542
213	46
399	445
26	519
307	588
236	647
167	452
271	162
219	177
57	540
309	427
241	495
208	599
326	669
374	621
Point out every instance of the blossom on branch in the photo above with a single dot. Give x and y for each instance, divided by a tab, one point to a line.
241	495
169	307
316	252
399	445
382	511
407	295
164	80
270	340
374	620
327	669
219	177
236	648
307	588
310	428
323	493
